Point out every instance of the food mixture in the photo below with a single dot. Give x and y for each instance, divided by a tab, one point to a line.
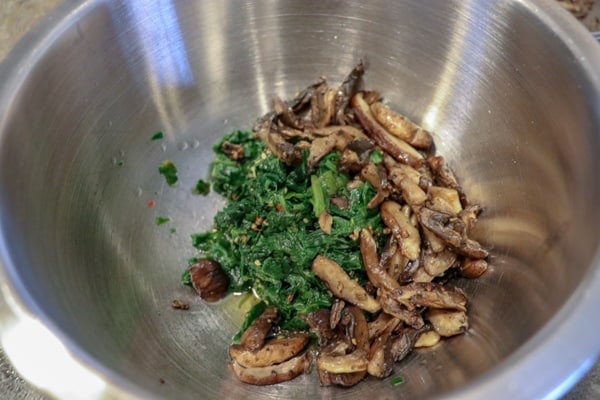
345	224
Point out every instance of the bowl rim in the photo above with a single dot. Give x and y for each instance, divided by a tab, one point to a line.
515	377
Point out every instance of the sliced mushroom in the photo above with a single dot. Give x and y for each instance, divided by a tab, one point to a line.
473	268
345	92
284	150
322	105
393	305
432	295
434	242
342	286
325	222
273	374
319	148
274	351
346	380
448	322
453	231
436	264
445	177
401	126
336	312
254	337
381	360
427	339
376	273
319	322
403	343
354	362
413	194
378	325
446	200
396	147
286	114
407	235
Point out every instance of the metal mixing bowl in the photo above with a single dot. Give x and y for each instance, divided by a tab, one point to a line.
510	88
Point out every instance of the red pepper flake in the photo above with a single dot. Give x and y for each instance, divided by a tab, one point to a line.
279	207
234	197
290	297
151	203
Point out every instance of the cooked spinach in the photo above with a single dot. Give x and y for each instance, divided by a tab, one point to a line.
169	171
268	234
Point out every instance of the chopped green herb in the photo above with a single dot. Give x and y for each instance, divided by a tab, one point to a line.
169	171
157	136
162	220
396	381
202	187
377	156
267	235
120	163
172	230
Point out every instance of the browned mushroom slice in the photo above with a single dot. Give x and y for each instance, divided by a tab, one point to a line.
342	286
354	362
469	216
319	322
209	280
401	126
403	343
473	268
412	193
381	361
272	374
345	92
421	276
407	235
446	200
453	231
427	339
284	150
436	264
322	105
254	337
336	312
445	177
447	322
295	134
346	380
319	148
286	114
378	325
274	351
396	147
376	273
357	327
393	305
325	222
434	242
434	295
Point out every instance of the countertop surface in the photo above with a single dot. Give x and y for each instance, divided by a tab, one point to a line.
18	16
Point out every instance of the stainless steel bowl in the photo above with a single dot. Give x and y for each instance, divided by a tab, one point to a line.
510	88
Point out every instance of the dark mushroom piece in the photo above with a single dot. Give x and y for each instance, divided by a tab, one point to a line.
254	337
433	295
405	232
209	280
451	230
396	147
345	92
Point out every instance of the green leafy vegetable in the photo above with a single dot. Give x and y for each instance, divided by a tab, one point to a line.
157	136
169	171
267	235
397	380
162	220
202	187
254	312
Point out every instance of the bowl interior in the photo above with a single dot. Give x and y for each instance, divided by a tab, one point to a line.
512	111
